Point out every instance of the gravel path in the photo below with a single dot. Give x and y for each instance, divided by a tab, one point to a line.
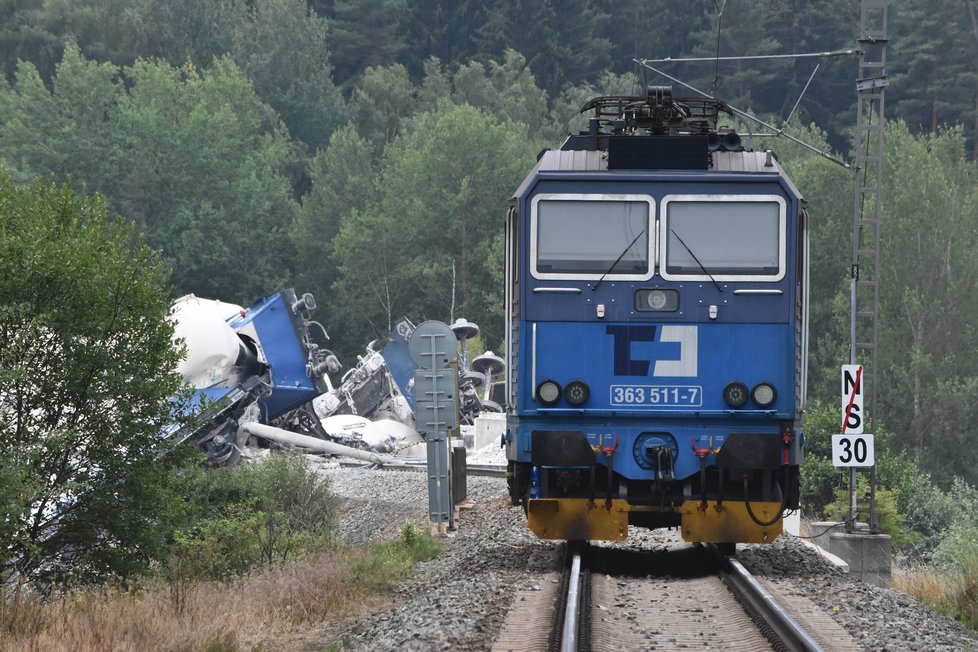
459	600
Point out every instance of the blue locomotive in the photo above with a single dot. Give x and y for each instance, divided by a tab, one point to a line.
656	329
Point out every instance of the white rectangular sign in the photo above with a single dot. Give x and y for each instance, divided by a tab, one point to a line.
852	399
853	450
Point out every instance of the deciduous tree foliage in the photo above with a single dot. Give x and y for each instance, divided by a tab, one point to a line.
929	298
342	178
205	177
86	380
426	241
193	156
828	191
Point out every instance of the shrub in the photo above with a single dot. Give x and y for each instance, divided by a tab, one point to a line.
241	518
958	547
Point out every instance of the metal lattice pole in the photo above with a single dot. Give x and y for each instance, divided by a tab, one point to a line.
867	213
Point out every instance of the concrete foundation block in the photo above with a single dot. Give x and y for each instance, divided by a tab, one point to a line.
489	428
870	556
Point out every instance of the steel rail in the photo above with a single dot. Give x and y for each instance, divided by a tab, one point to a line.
777	624
488	470
568	637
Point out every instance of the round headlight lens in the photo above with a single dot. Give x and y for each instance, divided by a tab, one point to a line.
764	394
657	299
548	392
577	392
735	394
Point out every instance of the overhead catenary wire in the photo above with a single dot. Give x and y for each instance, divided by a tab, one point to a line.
754	57
746	116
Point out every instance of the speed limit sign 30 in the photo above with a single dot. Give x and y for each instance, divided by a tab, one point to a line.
853	450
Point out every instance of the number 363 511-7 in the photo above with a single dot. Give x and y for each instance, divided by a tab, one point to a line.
853	450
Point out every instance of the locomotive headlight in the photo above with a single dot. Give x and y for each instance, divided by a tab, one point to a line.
577	392
657	300
763	394
735	394
548	392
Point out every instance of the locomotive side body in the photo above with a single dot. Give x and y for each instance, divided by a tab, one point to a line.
656	309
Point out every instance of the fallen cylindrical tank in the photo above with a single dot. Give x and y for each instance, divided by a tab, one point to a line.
321	445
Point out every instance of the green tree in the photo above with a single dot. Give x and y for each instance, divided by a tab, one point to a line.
122	31
506	90
802	26
207	178
366	34
87	369
929	295
563	43
426	242
69	129
24	38
238	519
442	29
959	547
653	29
384	98
827	188
283	50
740	31
298	511
342	180
933	65
192	156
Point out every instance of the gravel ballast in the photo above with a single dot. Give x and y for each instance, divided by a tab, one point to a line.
459	600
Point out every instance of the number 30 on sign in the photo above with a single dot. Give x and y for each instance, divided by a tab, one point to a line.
853	450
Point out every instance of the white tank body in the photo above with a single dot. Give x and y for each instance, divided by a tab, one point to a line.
212	345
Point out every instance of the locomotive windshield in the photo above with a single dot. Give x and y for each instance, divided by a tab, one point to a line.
588	237
732	237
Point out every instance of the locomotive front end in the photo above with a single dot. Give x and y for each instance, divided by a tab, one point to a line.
656	291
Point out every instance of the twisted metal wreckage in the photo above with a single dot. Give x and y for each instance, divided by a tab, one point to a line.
261	380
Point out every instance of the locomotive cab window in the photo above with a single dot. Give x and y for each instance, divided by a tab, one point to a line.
590	236
727	237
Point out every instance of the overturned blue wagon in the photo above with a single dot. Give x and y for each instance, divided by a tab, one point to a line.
256	363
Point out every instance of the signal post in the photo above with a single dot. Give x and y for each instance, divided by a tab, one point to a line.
865	550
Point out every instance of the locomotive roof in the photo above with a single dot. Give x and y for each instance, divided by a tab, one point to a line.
597	160
589	161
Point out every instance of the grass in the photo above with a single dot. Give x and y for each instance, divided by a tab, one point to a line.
953	593
255	612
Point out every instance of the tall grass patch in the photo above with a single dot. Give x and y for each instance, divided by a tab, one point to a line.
250	611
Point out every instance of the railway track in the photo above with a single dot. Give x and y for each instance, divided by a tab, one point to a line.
616	599
490	470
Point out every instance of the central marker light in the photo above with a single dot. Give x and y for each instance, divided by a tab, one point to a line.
577	392
735	394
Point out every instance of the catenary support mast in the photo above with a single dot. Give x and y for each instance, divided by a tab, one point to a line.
867	212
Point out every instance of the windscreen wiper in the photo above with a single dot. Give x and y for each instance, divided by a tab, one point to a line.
719	289
618	260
